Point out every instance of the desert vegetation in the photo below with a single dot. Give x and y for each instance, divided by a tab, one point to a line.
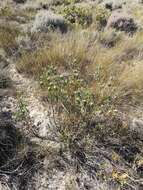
71	95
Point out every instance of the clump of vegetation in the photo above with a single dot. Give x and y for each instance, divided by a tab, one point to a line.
100	17
8	36
5	81
63	2
22	110
46	21
137	12
77	15
74	102
67	2
70	53
101	67
98	66
69	91
5	12
110	38
18	15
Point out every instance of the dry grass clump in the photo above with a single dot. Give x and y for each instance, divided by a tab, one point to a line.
130	50
8	36
21	16
5	81
131	80
67	52
115	61
63	2
137	11
110	38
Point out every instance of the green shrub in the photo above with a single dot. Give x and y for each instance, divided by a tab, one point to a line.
74	103
100	16
69	91
77	15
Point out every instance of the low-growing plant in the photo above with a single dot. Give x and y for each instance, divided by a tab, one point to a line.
22	110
